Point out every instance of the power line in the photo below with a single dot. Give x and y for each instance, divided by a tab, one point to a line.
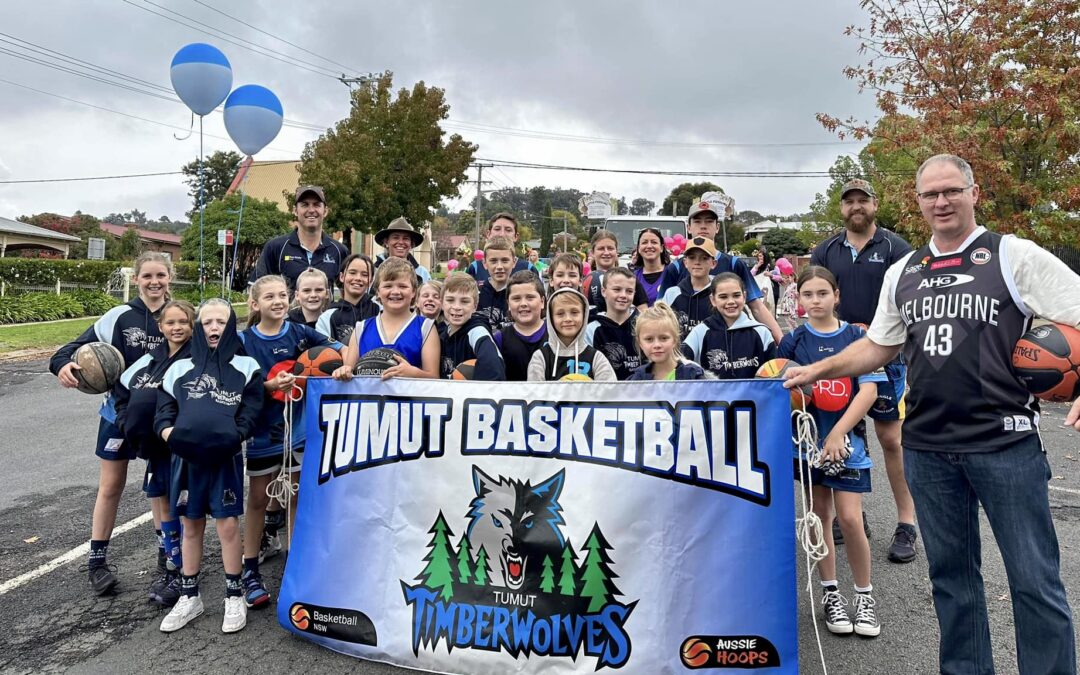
280	39
656	172
87	76
86	178
296	63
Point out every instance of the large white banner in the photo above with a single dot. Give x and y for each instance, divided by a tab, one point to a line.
468	527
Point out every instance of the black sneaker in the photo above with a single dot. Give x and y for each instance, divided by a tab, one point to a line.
102	578
166	589
902	548
836	616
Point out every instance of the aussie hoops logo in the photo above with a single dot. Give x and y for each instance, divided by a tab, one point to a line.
515	583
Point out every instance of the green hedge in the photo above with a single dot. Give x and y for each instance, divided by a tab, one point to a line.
191	294
43	272
28	307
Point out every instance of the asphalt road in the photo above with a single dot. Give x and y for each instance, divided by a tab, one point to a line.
54	624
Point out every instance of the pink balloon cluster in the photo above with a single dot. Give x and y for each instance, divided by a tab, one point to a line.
478	255
586	269
675	243
452	264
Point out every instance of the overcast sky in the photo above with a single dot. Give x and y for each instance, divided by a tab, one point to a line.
711	73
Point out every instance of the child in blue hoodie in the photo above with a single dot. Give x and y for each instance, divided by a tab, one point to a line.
657	335
136	404
207	406
467	334
729	344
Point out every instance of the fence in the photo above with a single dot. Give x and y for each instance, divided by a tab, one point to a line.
1068	255
59	287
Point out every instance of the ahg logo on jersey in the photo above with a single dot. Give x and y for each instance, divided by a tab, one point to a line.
945	281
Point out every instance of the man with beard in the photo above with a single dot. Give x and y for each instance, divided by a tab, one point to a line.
858	257
307	245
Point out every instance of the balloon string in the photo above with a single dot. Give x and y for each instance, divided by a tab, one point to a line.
239	222
191	130
202	209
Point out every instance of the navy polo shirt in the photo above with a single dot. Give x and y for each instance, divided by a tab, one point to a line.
860	273
285	256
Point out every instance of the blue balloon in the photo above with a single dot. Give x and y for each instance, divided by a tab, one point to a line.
253	117
201	76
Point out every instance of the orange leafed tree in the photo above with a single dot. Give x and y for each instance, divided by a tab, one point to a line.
994	81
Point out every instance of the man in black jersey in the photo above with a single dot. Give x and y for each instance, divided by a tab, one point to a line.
957	306
858	257
307	245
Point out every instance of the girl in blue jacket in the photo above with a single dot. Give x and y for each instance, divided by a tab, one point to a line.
657	334
131	328
729	344
136	403
207	405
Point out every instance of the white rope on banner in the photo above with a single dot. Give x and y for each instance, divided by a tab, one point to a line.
808	529
281	489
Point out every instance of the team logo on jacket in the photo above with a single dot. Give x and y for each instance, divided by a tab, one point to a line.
617	355
514	583
137	337
717	360
145	381
208	385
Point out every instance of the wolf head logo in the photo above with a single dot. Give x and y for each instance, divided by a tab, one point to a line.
201	387
517	523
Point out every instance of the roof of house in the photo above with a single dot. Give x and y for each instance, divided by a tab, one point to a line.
766	225
268	180
148	235
17	227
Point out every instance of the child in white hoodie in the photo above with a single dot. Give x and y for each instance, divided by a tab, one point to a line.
567	352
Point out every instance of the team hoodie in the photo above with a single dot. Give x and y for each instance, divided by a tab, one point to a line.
340	318
210	399
132	328
691	307
684	370
616	342
730	353
136	398
472	341
557	359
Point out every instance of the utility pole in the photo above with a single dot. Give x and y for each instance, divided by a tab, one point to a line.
359	81
479	166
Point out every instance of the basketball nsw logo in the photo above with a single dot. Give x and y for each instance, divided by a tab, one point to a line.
513	582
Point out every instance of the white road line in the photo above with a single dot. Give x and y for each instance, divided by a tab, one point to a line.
1069	490
77	552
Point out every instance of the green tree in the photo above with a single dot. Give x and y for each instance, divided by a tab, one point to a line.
783	242
547	576
546	231
438	573
262	221
464	558
219	171
993	82
684	195
81	225
597	573
642	207
483	570
130	246
568	571
388	158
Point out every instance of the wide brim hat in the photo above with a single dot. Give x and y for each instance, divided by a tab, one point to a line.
399	225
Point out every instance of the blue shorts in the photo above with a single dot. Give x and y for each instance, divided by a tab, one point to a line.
266	465
849	480
111	444
156	480
197	490
889	405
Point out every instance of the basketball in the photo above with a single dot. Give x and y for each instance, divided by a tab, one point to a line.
319	361
575	377
375	362
833	395
100	366
285	366
776	368
695	652
465	370
1047	361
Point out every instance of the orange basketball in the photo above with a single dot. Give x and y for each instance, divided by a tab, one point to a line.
466	370
1047	361
319	361
695	652
776	368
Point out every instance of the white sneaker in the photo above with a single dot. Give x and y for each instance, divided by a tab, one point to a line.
866	623
185	609
836	617
235	614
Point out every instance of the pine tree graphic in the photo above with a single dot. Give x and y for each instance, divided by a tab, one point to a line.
547	577
596	571
483	572
464	559
437	573
567	571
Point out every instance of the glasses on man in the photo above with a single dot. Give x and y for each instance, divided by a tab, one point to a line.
952	194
